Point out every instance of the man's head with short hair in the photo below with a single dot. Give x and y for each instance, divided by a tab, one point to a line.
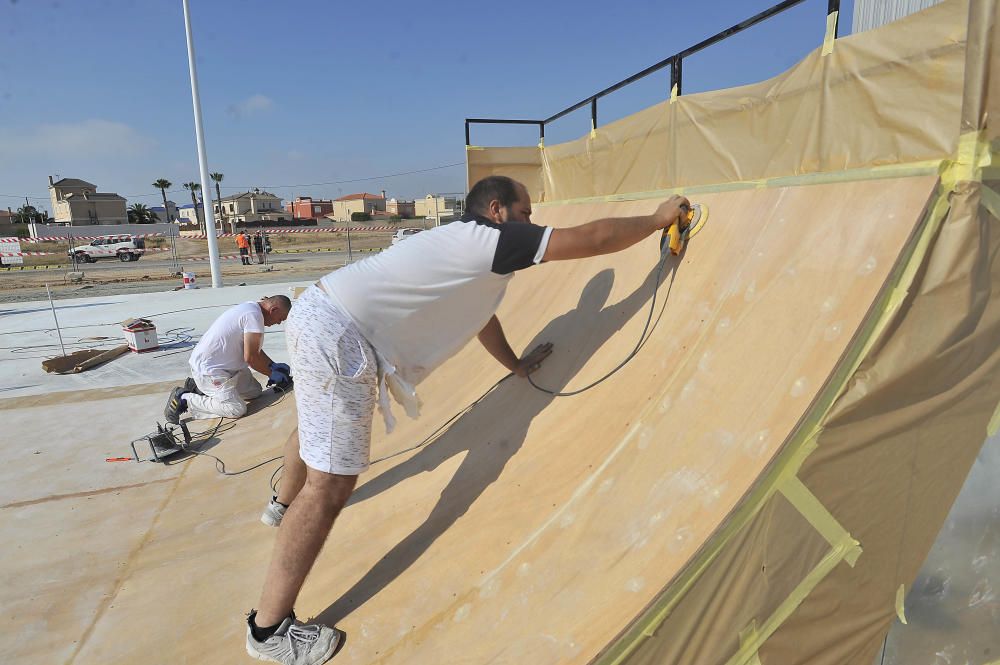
499	199
275	309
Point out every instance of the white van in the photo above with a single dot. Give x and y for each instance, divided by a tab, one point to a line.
123	247
404	233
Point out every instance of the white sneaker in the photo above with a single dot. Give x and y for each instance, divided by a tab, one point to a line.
273	513
295	643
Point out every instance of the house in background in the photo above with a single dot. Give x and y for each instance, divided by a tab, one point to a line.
405	209
249	207
441	207
77	202
306	207
171	214
186	213
345	206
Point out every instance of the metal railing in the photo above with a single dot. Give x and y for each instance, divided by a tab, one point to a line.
675	62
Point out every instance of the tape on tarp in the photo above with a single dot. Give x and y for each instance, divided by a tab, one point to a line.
813	510
901	603
831	32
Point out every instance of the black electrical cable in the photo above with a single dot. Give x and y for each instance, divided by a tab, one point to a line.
220	465
632	354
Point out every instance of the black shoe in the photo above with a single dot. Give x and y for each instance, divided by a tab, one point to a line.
191	387
175	406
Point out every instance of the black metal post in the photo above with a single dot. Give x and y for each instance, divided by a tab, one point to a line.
541	132
467	142
593	113
675	75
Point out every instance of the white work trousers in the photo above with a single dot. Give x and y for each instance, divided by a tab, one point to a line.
225	395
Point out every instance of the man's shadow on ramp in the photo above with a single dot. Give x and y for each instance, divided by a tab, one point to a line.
495	428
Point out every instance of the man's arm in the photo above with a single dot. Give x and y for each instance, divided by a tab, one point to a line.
253	353
612	234
492	337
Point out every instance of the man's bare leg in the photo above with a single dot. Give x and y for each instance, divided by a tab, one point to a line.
293	475
300	538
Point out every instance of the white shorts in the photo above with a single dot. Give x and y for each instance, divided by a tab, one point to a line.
223	394
336	379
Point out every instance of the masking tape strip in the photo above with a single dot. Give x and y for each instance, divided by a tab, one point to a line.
673	93
994	425
851	175
820	518
541	143
748	634
474	147
901	603
831	29
748	651
990	200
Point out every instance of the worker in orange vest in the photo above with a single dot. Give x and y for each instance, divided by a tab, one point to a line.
243	242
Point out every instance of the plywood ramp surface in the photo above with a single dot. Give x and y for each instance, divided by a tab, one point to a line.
534	529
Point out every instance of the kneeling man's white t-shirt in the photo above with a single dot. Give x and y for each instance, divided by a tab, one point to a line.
220	349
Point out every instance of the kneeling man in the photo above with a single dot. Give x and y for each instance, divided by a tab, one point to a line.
222	360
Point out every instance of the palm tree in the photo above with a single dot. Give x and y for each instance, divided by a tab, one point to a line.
163	185
217	178
28	213
138	213
194	188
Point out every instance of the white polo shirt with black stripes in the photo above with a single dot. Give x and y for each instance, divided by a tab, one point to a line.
423	299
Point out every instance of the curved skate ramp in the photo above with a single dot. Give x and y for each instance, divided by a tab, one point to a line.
759	483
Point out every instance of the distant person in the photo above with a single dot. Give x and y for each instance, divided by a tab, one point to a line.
244	244
258	246
390	320
221	382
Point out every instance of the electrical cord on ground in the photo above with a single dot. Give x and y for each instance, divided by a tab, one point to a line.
220	465
642	340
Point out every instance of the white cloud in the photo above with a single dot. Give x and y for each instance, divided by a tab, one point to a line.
86	139
253	104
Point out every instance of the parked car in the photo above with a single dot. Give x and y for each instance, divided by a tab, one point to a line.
123	247
404	233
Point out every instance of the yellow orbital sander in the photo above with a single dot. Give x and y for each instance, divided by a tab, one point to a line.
677	234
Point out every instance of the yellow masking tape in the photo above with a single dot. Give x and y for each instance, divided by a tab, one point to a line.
831	27
541	142
850	175
820	518
994	424
900	603
748	634
474	147
748	651
673	93
788	464
990	200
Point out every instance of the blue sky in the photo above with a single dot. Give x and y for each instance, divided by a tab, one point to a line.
296	93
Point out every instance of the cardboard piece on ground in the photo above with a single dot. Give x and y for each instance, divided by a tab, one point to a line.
80	361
